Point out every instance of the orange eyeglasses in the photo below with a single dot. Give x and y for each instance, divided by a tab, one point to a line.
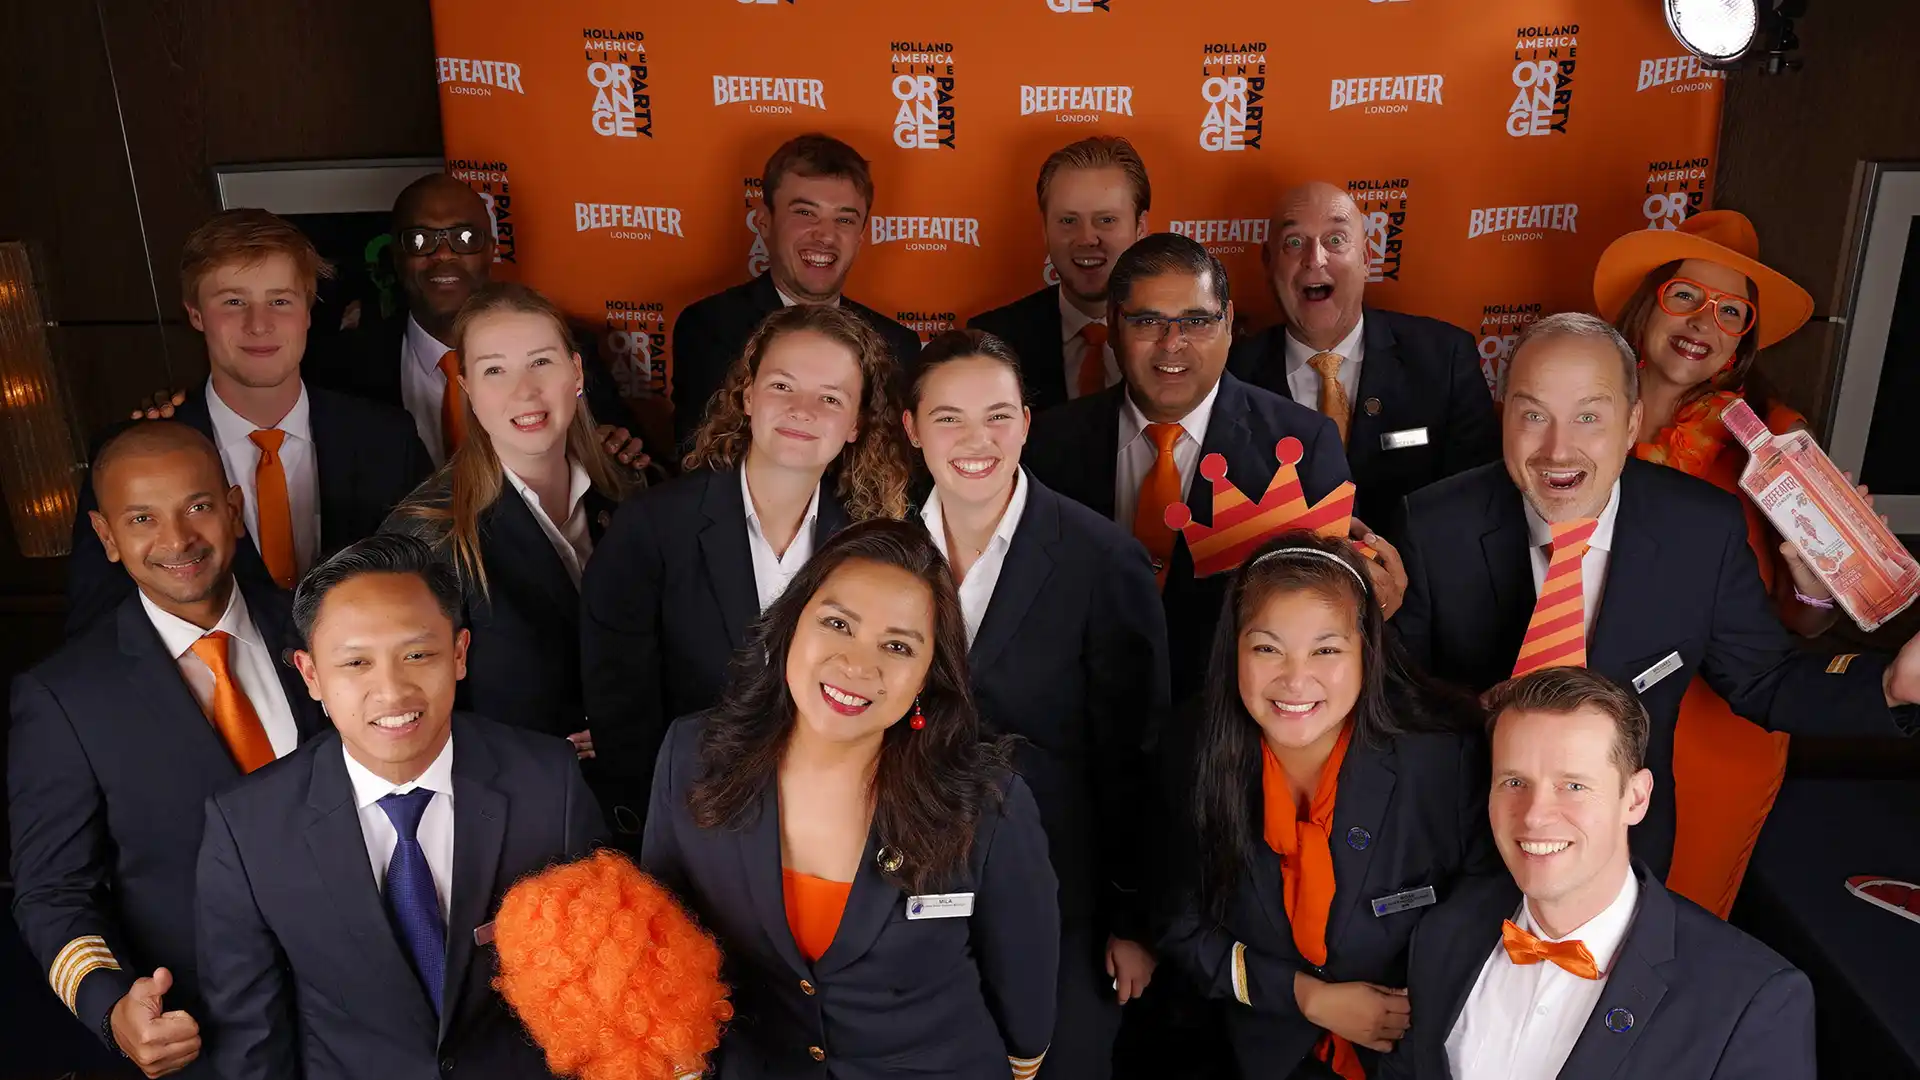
1734	314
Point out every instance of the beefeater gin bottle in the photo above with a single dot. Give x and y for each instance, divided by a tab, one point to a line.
1811	503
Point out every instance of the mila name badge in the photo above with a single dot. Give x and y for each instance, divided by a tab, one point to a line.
1403	901
954	905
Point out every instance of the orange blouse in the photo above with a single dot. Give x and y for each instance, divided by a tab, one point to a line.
814	906
1306	871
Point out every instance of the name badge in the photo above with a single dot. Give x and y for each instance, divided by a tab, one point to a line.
1667	666
483	934
1403	901
953	905
1400	440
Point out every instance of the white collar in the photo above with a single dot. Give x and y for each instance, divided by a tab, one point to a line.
427	349
1541	534
788	301
1299	352
578	484
1133	422
1072	319
935	519
178	635
231	427
1604	933
369	789
753	516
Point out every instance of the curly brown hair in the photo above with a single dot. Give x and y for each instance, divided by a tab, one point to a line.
872	472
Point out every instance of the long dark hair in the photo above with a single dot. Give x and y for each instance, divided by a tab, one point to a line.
930	785
1743	377
1223	804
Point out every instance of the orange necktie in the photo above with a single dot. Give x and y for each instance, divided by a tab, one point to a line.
1524	948
275	511
233	715
1159	490
1305	848
1093	362
453	419
1333	396
1557	633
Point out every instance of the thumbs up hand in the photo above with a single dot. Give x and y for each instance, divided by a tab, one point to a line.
158	1041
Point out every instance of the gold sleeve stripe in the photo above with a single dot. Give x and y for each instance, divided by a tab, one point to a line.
80	958
1841	662
1026	1068
1240	974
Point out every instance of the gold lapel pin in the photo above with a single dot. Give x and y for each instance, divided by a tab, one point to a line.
889	859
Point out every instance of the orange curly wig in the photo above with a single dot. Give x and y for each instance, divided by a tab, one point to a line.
609	974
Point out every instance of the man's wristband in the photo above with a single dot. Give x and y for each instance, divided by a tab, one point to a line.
106	1032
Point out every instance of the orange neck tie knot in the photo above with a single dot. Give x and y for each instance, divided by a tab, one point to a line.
1093	363
1333	396
1160	489
453	418
273	508
233	715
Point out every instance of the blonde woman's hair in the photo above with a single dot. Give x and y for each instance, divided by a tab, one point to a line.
474	472
871	473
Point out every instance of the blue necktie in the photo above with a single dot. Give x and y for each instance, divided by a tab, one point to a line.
412	904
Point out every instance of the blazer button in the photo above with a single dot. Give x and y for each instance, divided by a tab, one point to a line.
818	1054
446	1065
806	987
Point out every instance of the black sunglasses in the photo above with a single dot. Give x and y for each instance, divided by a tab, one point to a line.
462	239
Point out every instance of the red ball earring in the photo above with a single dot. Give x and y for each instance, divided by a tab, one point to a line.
919	718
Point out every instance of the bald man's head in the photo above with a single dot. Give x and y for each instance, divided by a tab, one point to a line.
1316	258
169	516
435	274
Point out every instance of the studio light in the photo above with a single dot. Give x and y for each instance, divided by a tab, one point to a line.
1719	32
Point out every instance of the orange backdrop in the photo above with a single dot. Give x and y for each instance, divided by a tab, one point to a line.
1497	145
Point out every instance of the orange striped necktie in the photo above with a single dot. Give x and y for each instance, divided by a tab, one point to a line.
1572	956
1160	489
233	715
1557	633
273	508
1093	362
453	419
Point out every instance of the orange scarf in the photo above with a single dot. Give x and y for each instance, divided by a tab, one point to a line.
1695	438
1306	872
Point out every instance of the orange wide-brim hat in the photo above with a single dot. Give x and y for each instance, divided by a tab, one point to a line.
1725	237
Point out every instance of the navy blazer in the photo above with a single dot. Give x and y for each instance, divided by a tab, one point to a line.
1681	578
1075	448
110	762
1688	997
523	664
712	333
1418	373
1031	325
669	597
365	362
368	458
950	998
303	974
1408	815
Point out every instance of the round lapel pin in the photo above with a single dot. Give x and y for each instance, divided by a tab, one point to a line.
1358	838
1372	405
889	859
1619	1021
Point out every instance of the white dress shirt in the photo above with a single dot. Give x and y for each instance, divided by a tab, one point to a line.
771	572
1137	454
571	539
1304	382
1073	347
436	822
788	301
1521	1020
976	589
423	388
241	456
248	658
1593	566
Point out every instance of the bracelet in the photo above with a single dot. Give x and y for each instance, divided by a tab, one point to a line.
1813	602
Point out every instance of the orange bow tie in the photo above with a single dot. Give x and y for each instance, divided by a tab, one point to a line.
1524	948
